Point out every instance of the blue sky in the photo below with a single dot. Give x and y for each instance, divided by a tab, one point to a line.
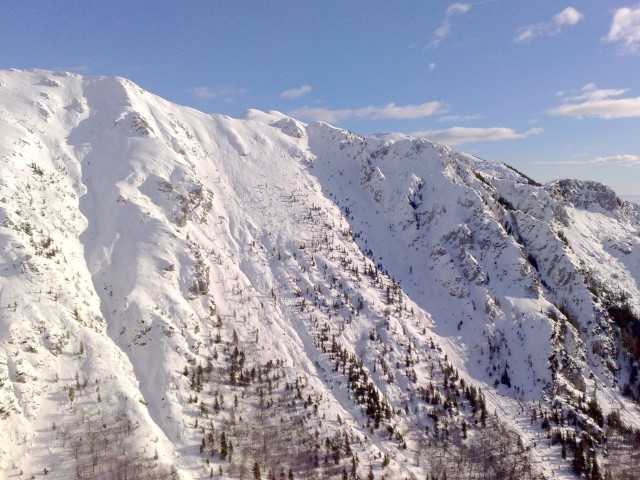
550	87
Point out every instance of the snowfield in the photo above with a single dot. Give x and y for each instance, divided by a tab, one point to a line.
190	296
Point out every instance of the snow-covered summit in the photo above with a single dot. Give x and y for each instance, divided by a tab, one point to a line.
195	296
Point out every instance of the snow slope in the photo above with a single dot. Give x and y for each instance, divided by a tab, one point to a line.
321	300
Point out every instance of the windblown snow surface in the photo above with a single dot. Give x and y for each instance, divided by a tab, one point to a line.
185	295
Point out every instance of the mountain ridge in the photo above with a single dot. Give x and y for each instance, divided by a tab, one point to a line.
300	268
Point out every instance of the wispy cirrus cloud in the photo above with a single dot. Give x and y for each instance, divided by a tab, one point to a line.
454	10
457	9
567	17
390	111
602	103
217	93
458	118
591	92
626	160
625	30
444	30
296	92
460	135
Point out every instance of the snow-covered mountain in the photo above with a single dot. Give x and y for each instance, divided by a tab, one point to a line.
185	295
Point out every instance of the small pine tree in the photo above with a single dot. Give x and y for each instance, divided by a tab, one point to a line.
578	463
505	380
256	471
595	412
223	446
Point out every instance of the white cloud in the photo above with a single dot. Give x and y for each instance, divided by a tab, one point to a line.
440	34
389	111
207	93
202	93
296	92
444	30
318	113
594	102
626	159
460	135
622	159
567	17
432	66
458	118
392	111
457	9
591	92
625	30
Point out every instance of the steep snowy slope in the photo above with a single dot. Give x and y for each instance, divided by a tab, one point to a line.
194	296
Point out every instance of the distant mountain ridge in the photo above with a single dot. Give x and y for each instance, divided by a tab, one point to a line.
185	295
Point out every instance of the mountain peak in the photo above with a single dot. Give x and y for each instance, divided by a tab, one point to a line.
188	296
585	193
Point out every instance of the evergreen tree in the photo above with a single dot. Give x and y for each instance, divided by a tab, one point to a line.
505	380
578	463
483	414
223	446
256	471
595	412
